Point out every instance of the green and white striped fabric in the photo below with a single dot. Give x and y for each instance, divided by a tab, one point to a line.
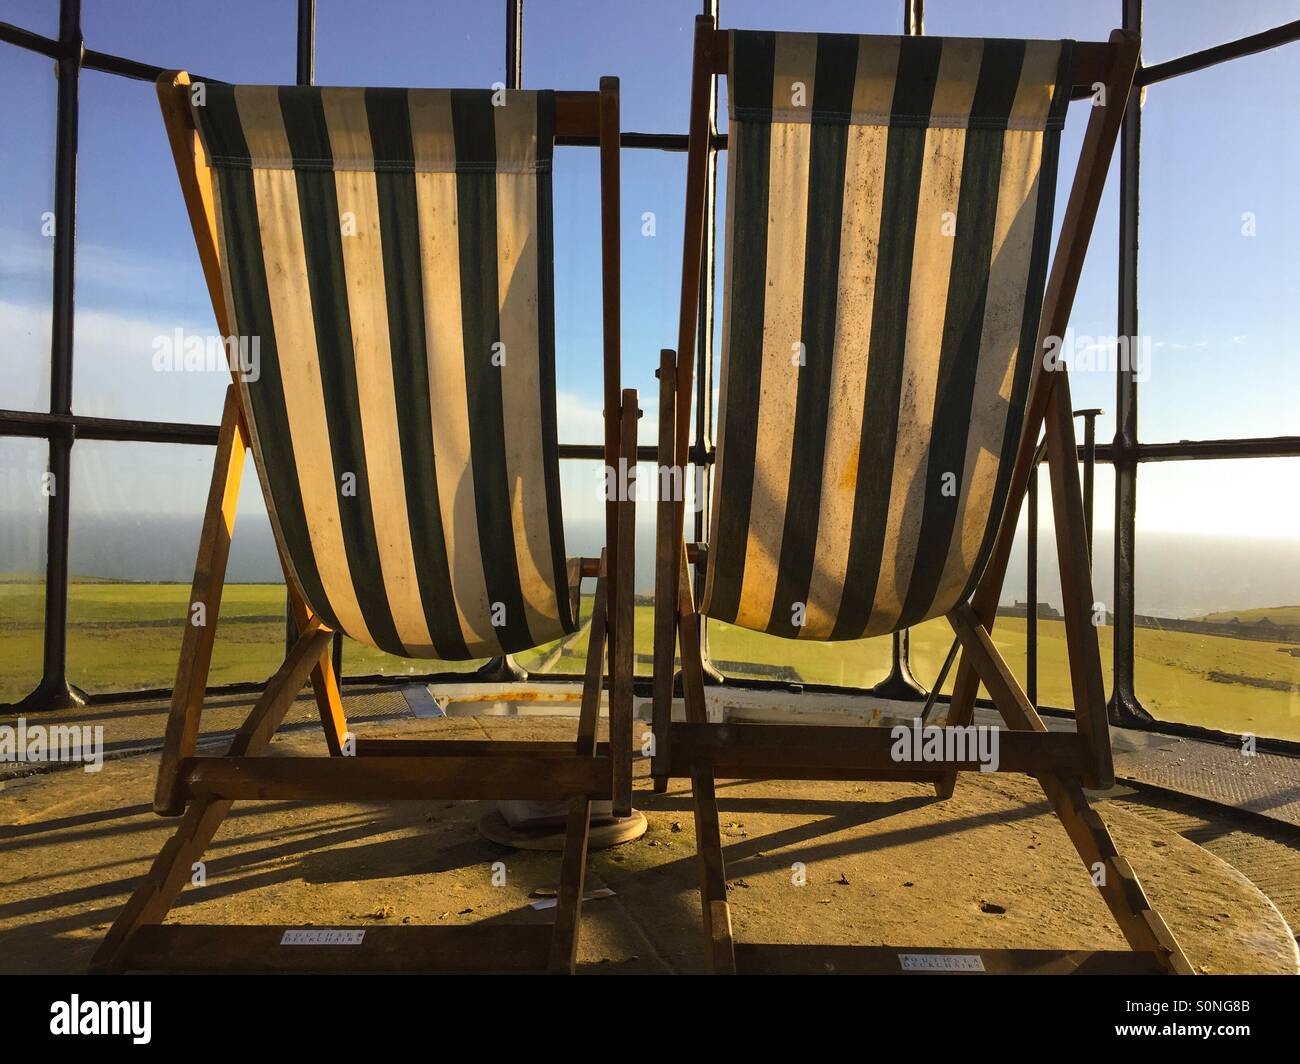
391	250
889	215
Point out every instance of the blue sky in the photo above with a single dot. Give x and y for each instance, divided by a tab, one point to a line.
1220	307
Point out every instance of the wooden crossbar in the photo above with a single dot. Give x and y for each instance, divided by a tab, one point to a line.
409	949
344	779
734	751
470	747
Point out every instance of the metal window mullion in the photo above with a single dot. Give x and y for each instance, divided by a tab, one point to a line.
1124	705
1220	53
514	44
53	691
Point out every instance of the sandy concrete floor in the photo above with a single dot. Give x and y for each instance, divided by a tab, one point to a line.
884	864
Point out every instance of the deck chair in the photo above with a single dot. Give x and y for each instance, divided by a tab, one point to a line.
889	214
391	252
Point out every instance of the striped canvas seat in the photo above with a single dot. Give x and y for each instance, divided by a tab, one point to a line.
889	213
391	251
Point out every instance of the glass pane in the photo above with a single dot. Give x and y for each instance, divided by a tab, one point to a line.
361	659
1218	277
653	195
136	513
654	204
1092	321
28	93
740	653
39	16
443	44
240	40
1022	18
582	488
1171	28
24	488
647	46
817	16
579	342
141	297
931	641
1218	594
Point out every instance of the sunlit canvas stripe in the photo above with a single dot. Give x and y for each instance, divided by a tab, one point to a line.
435	186
1038	59
964	336
363	264
779	372
399	221
308	136
859	241
753	61
1009	275
290	296
243	271
545	255
823	197
922	265
918	67
932	273
474	127
995	377
521	385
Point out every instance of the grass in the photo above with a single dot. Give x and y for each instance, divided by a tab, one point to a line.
1283	615
124	636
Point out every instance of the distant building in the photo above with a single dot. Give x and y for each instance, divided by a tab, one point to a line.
1046	611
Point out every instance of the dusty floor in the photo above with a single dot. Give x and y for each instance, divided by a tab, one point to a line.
884	864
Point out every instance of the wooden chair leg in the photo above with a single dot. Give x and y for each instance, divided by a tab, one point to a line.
665	614
688	632
158	891
185	716
622	616
324	684
961	712
329	703
1141	925
573	873
173	866
713	875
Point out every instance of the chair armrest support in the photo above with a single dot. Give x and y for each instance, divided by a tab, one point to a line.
665	615
624	613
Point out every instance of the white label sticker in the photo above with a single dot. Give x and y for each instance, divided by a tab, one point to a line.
941	962
311	936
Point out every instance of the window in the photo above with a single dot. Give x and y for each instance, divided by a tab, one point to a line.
28	92
136	513
140	289
1217	293
1173	28
409	42
1217	548
25	485
647	46
1218	594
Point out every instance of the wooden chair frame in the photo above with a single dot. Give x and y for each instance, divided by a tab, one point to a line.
203	788
1063	762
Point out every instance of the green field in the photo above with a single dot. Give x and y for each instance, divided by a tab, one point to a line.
126	637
